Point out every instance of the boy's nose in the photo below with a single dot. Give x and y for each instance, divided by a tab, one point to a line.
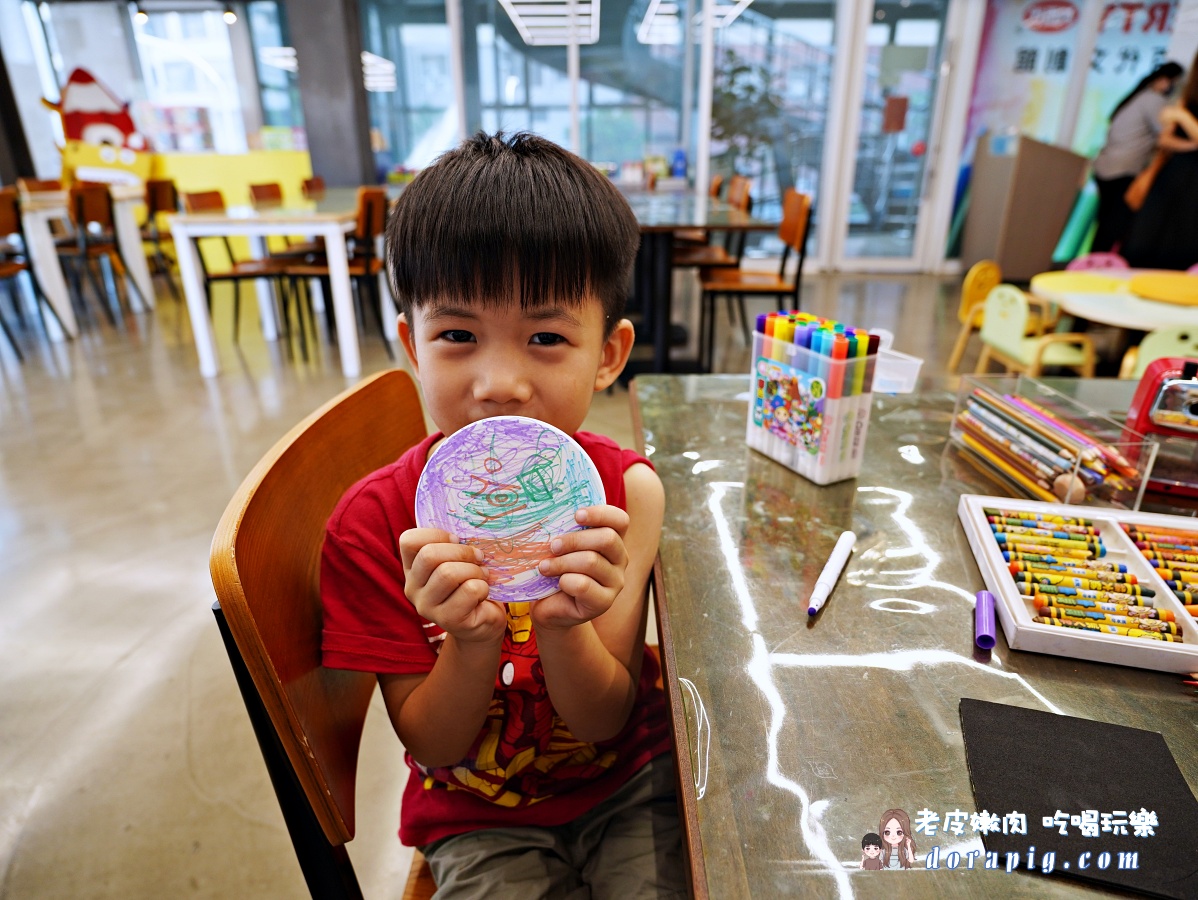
502	382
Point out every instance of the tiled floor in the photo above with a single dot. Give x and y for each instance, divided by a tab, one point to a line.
127	765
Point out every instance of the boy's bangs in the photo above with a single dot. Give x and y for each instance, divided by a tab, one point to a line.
512	222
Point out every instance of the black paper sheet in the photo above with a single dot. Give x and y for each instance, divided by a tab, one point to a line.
1041	764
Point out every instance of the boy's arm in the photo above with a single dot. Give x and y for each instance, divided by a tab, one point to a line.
592	669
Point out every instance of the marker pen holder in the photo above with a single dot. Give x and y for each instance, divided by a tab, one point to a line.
809	411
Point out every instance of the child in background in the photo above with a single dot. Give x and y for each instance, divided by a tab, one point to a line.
536	733
871	852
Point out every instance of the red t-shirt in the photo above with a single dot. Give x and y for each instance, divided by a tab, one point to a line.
524	768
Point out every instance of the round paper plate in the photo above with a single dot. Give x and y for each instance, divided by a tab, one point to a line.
1080	282
508	485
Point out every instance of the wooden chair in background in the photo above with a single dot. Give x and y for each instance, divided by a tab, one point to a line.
313	188
273	269
162	198
698	237
265	565
94	243
1181	340
16	259
1005	318
270	194
737	283
365	265
728	253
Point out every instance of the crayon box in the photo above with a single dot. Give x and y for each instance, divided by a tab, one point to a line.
809	408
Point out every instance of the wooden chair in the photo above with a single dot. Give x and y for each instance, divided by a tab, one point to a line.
698	237
16	261
264	196
1181	340
796	218
238	271
313	188
270	194
162	198
728	254
265	565
94	242
364	264
1004	338
982	277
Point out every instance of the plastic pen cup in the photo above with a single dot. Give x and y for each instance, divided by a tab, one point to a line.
983	620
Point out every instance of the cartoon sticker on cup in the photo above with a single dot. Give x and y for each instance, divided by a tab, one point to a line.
508	485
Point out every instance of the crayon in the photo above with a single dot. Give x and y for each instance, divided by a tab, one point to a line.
1172	548
1063	520
1179	575
1086	583
1184	596
1020	556
1076	553
1083	571
1166	564
1031	590
1170	556
1102	618
1121	609
1108	629
1037	523
1153	530
1041	532
1077	542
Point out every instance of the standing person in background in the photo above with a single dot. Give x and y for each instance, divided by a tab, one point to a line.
1164	233
1130	143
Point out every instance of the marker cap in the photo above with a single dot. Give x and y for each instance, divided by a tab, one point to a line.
983	620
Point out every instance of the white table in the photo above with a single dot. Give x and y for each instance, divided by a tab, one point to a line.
331	218
40	208
1118	307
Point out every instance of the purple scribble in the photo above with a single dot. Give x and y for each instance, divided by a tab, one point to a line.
508	485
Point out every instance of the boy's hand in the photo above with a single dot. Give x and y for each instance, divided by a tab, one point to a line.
446	584
590	568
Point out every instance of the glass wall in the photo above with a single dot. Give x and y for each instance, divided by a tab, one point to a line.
278	86
773	80
409	82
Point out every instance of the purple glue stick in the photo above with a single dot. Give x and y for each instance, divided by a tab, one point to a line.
983	620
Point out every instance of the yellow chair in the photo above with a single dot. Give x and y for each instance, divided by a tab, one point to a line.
1181	340
1005	320
982	277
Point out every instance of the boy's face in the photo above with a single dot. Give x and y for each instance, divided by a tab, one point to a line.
475	362
873	851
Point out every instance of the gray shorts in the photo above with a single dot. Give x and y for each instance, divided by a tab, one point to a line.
627	847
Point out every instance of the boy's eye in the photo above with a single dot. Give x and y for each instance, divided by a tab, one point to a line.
456	336
547	338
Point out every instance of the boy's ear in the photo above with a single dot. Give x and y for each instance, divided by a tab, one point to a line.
409	343
616	348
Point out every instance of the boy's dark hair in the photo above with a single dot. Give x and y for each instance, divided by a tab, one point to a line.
500	220
871	840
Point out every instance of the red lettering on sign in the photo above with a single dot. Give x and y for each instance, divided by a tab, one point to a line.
1049	16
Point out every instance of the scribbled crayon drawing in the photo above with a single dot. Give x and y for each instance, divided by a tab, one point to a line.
508	485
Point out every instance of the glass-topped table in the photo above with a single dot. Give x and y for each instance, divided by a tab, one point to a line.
659	215
793	736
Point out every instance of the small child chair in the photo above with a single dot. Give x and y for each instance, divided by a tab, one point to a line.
1092	261
982	277
1004	338
1181	340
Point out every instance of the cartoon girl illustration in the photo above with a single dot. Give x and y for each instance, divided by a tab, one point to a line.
898	848
871	852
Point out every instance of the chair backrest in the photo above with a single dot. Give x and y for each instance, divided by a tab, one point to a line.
372	214
313	188
1092	261
983	277
161	196
1181	340
1004	322
796	211
738	192
717	184
203	201
265	566
268	194
90	203
10	212
38	185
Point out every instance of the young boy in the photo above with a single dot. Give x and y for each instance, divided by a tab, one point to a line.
535	732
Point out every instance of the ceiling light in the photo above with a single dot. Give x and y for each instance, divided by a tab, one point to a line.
229	16
140	16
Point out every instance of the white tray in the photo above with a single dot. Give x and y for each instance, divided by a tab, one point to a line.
1015	610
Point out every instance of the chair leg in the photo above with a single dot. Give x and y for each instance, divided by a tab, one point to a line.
236	310
101	293
959	346
708	309
11	340
983	361
376	305
744	319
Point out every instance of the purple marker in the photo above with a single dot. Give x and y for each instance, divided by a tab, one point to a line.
983	620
